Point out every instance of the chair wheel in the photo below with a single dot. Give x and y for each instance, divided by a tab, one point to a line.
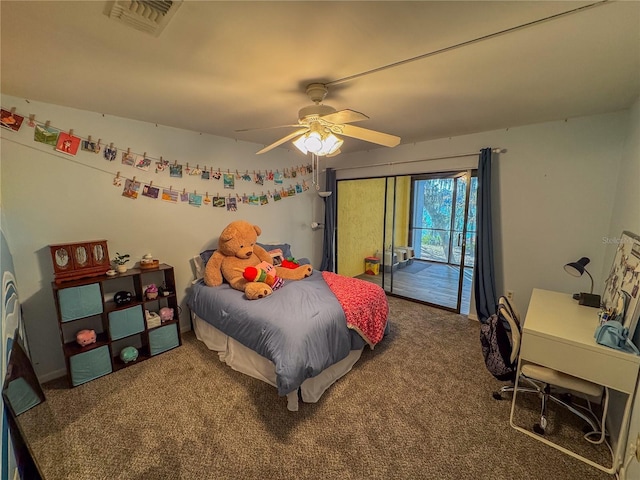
497	395
538	429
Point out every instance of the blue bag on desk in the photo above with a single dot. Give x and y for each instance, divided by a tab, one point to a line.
613	334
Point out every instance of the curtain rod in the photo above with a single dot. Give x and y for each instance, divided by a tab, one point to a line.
459	155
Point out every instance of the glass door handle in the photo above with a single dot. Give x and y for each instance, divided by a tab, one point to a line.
459	238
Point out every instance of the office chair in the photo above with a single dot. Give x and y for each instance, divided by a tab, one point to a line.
545	381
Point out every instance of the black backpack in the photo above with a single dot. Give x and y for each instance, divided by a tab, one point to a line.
497	345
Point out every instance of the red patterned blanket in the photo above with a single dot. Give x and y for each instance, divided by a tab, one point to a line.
364	304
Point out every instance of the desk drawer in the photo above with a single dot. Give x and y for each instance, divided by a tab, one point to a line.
595	365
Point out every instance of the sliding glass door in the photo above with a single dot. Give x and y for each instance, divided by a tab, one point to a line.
443	232
410	234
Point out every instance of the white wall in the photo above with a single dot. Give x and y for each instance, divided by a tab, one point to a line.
49	197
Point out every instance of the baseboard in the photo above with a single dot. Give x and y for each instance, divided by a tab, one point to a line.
47	377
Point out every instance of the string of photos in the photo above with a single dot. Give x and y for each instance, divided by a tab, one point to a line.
69	144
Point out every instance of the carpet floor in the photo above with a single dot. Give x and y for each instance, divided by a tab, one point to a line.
418	406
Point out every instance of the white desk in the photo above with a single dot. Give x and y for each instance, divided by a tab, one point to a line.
558	333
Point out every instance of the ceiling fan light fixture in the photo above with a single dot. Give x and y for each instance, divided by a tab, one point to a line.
313	142
299	143
329	145
317	143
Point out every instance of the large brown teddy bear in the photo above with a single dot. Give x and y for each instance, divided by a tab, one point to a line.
237	249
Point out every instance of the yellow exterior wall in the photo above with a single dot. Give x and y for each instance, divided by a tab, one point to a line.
360	223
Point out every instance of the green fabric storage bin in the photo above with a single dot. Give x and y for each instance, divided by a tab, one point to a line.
90	365
123	323
80	302
21	396
163	338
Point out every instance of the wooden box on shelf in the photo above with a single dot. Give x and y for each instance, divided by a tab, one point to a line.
88	303
79	260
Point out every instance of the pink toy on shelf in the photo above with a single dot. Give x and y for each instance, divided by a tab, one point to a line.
166	314
86	337
151	292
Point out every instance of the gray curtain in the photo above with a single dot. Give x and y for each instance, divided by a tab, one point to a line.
329	222
484	276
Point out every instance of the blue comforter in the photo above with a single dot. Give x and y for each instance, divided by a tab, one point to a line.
301	327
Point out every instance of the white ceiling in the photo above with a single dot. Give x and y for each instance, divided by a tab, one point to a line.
222	66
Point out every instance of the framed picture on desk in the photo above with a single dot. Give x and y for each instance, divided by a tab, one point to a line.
622	287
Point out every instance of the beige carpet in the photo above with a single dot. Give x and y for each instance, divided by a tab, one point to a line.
419	406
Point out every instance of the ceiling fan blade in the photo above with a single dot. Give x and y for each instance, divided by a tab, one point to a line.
300	131
266	128
366	135
344	116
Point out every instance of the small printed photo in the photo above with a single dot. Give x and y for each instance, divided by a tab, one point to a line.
276	196
270	176
263	200
128	159
298	188
258	179
284	193
305	185
68	144
90	146
294	173
216	175
161	165
277	178
195	171
205	175
9	120
291	192
176	171
232	205
245	199
195	199
219	202
206	200
110	153
46	135
150	191
246	177
169	195
184	197
254	200
143	163
229	180
131	189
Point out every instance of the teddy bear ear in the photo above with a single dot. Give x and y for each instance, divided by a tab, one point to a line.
257	229
227	234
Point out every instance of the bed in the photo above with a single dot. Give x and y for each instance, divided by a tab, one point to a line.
300	339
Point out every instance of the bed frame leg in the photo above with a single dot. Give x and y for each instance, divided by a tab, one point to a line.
292	401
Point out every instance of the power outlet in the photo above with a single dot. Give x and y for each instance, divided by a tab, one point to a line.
510	294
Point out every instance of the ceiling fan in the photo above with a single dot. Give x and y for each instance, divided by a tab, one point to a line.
318	123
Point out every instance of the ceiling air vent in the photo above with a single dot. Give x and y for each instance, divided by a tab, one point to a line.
150	16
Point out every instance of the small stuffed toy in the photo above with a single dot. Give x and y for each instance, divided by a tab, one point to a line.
237	250
263	272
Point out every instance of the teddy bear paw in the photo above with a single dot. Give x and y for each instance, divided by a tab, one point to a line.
257	290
